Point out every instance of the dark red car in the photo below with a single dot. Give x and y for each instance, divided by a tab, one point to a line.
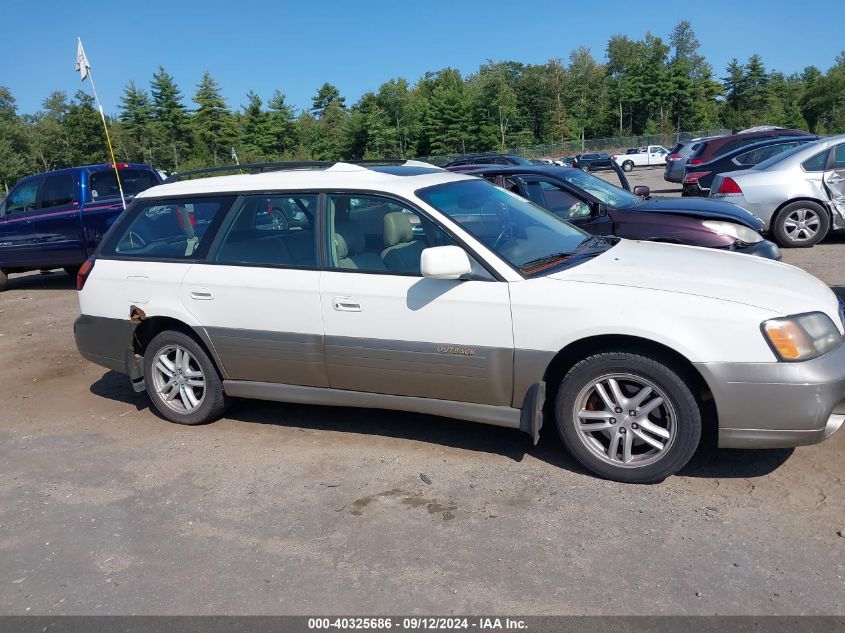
601	208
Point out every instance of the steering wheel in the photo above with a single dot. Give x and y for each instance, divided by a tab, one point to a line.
506	231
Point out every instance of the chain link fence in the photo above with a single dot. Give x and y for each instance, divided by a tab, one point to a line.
615	144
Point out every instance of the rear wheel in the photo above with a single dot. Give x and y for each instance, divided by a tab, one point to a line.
4	277
628	417
181	380
585	168
801	224
627	165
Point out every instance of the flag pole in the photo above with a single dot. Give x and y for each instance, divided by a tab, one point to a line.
106	128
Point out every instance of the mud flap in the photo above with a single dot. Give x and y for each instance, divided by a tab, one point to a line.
531	417
135	368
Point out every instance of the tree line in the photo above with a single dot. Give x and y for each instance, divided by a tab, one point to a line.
646	86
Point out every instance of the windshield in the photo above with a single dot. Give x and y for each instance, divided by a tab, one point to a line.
779	157
520	232
610	194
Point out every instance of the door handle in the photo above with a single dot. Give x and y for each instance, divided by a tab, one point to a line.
201	294
346	304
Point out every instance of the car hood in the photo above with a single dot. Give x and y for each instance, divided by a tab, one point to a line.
701	208
707	272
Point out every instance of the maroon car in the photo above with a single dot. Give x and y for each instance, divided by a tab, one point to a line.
601	208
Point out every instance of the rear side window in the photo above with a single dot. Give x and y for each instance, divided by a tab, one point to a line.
103	184
57	191
816	162
271	231
839	156
763	153
167	229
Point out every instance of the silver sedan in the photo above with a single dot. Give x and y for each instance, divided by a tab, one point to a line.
799	194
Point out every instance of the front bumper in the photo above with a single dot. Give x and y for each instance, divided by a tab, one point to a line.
776	405
765	248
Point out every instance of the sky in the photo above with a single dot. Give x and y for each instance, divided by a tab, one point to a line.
357	44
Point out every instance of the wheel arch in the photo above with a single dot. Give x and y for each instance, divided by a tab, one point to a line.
576	351
783	205
150	327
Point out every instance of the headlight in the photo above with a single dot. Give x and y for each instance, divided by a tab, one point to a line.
801	337
736	231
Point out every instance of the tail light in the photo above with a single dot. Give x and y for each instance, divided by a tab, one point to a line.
694	161
692	177
728	187
84	271
119	165
674	157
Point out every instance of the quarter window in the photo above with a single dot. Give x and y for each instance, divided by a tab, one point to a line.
816	162
839	156
57	191
168	229
276	230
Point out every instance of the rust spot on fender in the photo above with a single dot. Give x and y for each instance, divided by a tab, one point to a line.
136	314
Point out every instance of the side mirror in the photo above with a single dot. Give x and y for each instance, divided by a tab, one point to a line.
445	262
599	209
642	191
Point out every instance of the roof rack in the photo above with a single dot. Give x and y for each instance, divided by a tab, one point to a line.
260	168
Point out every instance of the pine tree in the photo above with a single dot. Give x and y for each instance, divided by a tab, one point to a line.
283	125
15	153
258	142
326	96
213	121
170	121
136	116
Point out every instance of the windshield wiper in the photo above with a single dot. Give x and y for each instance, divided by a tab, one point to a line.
545	259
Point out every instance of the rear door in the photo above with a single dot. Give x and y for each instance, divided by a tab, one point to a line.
18	237
834	181
258	296
57	224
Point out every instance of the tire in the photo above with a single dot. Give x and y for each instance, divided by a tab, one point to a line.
209	400
585	168
674	424
4	277
627	166
801	224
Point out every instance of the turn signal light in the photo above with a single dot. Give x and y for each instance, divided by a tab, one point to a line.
83	273
729	187
786	337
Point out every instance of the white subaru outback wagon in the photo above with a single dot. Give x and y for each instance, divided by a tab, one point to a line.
408	287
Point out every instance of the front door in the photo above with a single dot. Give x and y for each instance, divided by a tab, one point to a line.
390	330
18	237
834	181
258	296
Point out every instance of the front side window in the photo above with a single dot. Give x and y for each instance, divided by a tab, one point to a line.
103	184
271	230
167	229
375	234
22	199
521	233
57	191
556	199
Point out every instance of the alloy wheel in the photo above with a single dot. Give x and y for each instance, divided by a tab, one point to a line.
802	224
178	379
625	420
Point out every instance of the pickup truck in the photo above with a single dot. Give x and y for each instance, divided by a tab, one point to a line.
642	157
56	219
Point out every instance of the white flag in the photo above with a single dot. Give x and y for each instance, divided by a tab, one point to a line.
82	64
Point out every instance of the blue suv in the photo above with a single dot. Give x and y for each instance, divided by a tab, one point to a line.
56	219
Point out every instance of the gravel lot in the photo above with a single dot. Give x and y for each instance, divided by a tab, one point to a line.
107	508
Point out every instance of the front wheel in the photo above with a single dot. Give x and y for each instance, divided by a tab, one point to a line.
801	224
628	417
627	166
585	168
181	380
